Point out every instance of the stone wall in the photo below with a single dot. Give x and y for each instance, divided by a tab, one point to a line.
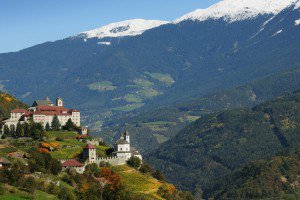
112	160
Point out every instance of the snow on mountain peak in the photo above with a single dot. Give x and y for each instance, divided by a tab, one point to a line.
297	5
124	28
235	10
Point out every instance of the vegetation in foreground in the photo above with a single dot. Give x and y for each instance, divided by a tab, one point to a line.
38	174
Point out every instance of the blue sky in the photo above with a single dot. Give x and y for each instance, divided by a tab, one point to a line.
24	23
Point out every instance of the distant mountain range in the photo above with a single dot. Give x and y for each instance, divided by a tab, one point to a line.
131	66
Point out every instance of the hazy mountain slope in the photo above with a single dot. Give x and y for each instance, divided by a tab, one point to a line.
217	144
152	127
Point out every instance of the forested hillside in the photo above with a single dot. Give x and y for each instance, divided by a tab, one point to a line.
277	177
160	124
8	103
218	144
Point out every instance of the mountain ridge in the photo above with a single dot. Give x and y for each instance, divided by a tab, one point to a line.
232	10
229	10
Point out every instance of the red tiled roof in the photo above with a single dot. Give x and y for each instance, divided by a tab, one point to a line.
52	108
72	163
89	146
49	113
47	110
19	111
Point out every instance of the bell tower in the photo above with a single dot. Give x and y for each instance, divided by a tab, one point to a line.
59	101
126	136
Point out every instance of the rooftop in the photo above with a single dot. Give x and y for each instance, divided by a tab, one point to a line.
72	163
19	111
122	141
45	102
89	146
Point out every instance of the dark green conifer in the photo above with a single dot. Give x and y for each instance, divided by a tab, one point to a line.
47	127
55	123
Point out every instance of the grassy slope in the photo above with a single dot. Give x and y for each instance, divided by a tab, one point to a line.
13	193
138	183
69	147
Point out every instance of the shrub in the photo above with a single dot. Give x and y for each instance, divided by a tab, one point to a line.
145	168
59	139
1	189
159	175
134	162
66	194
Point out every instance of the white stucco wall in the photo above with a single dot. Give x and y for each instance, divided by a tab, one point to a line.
123	147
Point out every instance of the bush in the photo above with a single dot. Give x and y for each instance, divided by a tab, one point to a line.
30	184
66	194
53	189
134	162
104	164
59	139
145	168
1	189
159	175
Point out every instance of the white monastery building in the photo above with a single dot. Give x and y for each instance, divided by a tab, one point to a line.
43	111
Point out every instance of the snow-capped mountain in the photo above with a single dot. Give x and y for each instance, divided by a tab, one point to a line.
235	10
229	10
123	28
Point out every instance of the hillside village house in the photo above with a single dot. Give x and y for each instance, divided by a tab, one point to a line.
43	111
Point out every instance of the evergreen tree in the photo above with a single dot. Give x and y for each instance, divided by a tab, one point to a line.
19	130
6	131
55	123
47	127
12	131
26	129
37	131
69	125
